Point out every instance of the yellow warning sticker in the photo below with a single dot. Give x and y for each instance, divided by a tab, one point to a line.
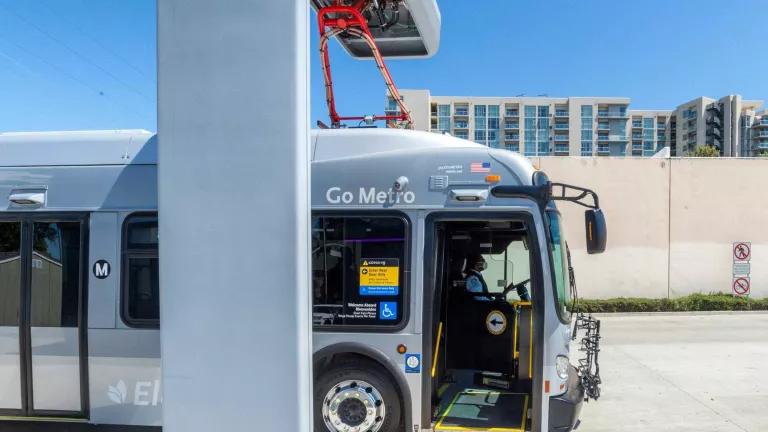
379	277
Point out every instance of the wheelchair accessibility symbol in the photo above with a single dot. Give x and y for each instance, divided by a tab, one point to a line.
388	310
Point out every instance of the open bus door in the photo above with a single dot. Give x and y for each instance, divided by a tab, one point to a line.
482	354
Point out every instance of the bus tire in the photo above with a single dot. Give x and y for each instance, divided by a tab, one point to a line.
351	389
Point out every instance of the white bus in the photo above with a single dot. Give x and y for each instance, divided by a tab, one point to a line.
441	283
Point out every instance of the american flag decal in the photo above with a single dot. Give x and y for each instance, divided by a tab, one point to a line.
480	167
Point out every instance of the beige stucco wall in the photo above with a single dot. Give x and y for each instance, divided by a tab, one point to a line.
716	202
671	223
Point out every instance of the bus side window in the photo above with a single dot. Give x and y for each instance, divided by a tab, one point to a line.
140	282
358	270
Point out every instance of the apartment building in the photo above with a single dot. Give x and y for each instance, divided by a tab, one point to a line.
591	126
724	123
758	133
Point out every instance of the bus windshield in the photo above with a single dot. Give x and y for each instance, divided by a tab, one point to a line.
559	257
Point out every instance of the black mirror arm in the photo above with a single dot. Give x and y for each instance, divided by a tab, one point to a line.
578	199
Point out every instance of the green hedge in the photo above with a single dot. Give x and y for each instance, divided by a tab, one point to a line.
694	302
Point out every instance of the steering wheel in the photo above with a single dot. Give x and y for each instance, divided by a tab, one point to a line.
515	286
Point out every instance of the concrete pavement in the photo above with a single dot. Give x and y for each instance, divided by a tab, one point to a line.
682	372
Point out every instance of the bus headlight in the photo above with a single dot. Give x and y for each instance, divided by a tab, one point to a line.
562	364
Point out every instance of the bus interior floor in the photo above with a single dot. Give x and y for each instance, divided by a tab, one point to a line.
465	405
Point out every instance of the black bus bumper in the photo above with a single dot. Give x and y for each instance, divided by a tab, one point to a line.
564	410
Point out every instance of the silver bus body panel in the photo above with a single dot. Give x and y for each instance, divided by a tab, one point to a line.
111	175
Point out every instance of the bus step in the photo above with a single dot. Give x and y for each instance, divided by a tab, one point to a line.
481	410
494	380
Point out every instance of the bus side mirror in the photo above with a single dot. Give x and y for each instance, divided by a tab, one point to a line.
597	233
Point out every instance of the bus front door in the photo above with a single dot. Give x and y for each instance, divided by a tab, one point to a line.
42	315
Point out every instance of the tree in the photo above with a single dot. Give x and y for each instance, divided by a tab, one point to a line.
706	151
762	153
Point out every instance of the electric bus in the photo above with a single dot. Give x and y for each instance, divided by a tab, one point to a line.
443	295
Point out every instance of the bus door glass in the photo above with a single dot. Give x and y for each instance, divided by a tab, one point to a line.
41	288
10	316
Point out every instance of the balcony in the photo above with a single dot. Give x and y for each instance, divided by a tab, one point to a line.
637	136
612	114
637	146
561	113
761	146
603	127
611	138
763	122
461	112
562	126
659	126
603	150
511	125
512	137
760	134
461	125
561	137
511	113
561	149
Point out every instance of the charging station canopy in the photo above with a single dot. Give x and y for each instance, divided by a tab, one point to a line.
400	28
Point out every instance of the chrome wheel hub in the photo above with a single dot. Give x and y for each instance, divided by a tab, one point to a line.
353	406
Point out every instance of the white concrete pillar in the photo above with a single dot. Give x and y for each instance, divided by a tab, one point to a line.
234	215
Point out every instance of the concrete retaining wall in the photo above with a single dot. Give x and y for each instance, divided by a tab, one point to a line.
671	223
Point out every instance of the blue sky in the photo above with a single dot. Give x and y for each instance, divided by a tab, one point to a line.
90	64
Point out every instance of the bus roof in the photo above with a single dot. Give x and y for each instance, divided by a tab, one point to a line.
101	147
340	143
362	163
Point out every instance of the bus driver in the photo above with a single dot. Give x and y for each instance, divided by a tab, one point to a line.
475	283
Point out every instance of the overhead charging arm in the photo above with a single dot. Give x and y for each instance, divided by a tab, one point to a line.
336	20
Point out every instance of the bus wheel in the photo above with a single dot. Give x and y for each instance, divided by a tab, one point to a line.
355	396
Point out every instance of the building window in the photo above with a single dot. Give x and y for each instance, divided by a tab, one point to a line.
530	130
461	109
487	125
648	148
586	148
586	130
140	282
542	134
647	123
392	106
444	118
358	271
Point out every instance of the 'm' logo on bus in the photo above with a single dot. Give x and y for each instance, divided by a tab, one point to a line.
101	269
